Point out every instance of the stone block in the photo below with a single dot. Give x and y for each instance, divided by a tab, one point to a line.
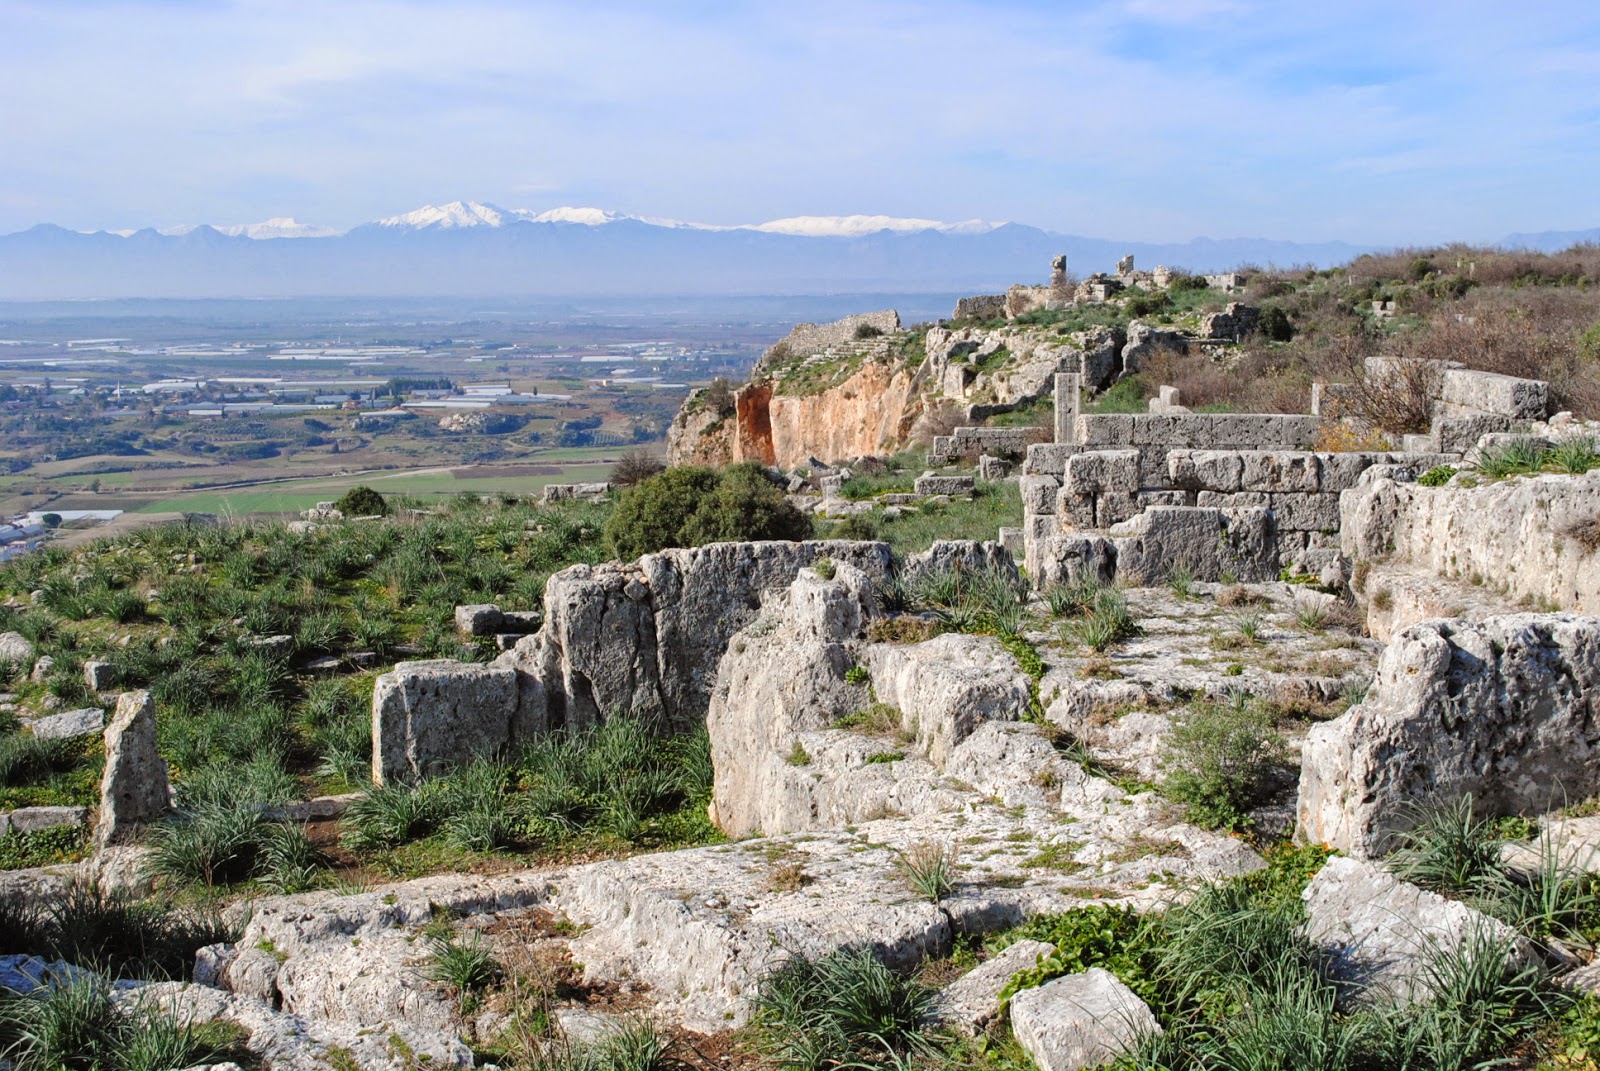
428	716
1097	471
1079	1021
1341	471
1048	459
36	819
1040	526
16	650
133	786
1306	512
1011	539
1488	392
1074	511
99	676
1280	471
1381	932
931	484
1063	559
1213	543
1114	507
1206	470
1039	493
1105	429
1418	444
972	1001
1146	499
1459	434
87	721
993	468
1237	500
482	619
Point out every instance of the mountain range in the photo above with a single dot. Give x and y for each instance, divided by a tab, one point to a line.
469	248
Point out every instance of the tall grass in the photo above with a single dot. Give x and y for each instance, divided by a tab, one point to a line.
843	1010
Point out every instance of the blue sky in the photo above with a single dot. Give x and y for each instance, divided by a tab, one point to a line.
1385	122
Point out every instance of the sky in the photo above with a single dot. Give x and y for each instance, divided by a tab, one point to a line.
1151	120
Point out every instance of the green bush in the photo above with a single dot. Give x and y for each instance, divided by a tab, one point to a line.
1221	761
80	1026
1274	325
362	501
689	506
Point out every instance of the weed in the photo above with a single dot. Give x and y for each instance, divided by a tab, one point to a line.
1221	761
1180	578
1437	476
1574	456
1311	616
798	755
930	869
467	967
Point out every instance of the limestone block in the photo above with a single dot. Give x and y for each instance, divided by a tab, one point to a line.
1011	539
993	468
478	620
1079	1021
72	723
1048	459
1114	507
1064	559
429	716
1280	471
1074	511
1213	543
252	972
1306	512
1040	526
1102	470
1237	500
1206	470
34	819
960	555
972	1001
947	687
1341	471
1381	931
1146	499
930	484
1105	429
1487	392
831	485
1153	468
1502	709
42	669
1459	434
99	676
133	786
1039	493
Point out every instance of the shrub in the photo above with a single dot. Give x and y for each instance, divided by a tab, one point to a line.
362	501
689	506
844	1010
1274	325
467	967
865	331
1117	939
857	526
1221	761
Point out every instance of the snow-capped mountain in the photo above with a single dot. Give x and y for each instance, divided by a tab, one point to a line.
474	248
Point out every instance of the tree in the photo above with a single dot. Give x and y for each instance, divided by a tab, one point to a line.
688	506
362	501
635	466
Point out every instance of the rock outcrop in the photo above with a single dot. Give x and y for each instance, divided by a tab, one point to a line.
1507	710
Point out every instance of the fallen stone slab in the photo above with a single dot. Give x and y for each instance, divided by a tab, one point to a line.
931	484
86	721
1382	933
972	1001
428	716
1501	709
1079	1021
38	819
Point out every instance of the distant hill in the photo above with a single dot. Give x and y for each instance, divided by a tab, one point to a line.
1552	241
468	248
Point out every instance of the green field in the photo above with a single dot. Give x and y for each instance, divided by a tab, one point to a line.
293	496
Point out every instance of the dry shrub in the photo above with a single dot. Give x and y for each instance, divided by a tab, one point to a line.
1587	534
1346	436
635	466
1238	595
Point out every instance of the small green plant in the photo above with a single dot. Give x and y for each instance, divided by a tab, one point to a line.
885	757
1114	938
798	755
1247	626
362	501
1106	621
1311	616
79	1025
1573	456
857	674
824	568
930	869
1180	578
1519	457
467	967
1221	760
1437	476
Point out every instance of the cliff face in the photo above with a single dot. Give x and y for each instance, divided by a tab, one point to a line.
871	412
